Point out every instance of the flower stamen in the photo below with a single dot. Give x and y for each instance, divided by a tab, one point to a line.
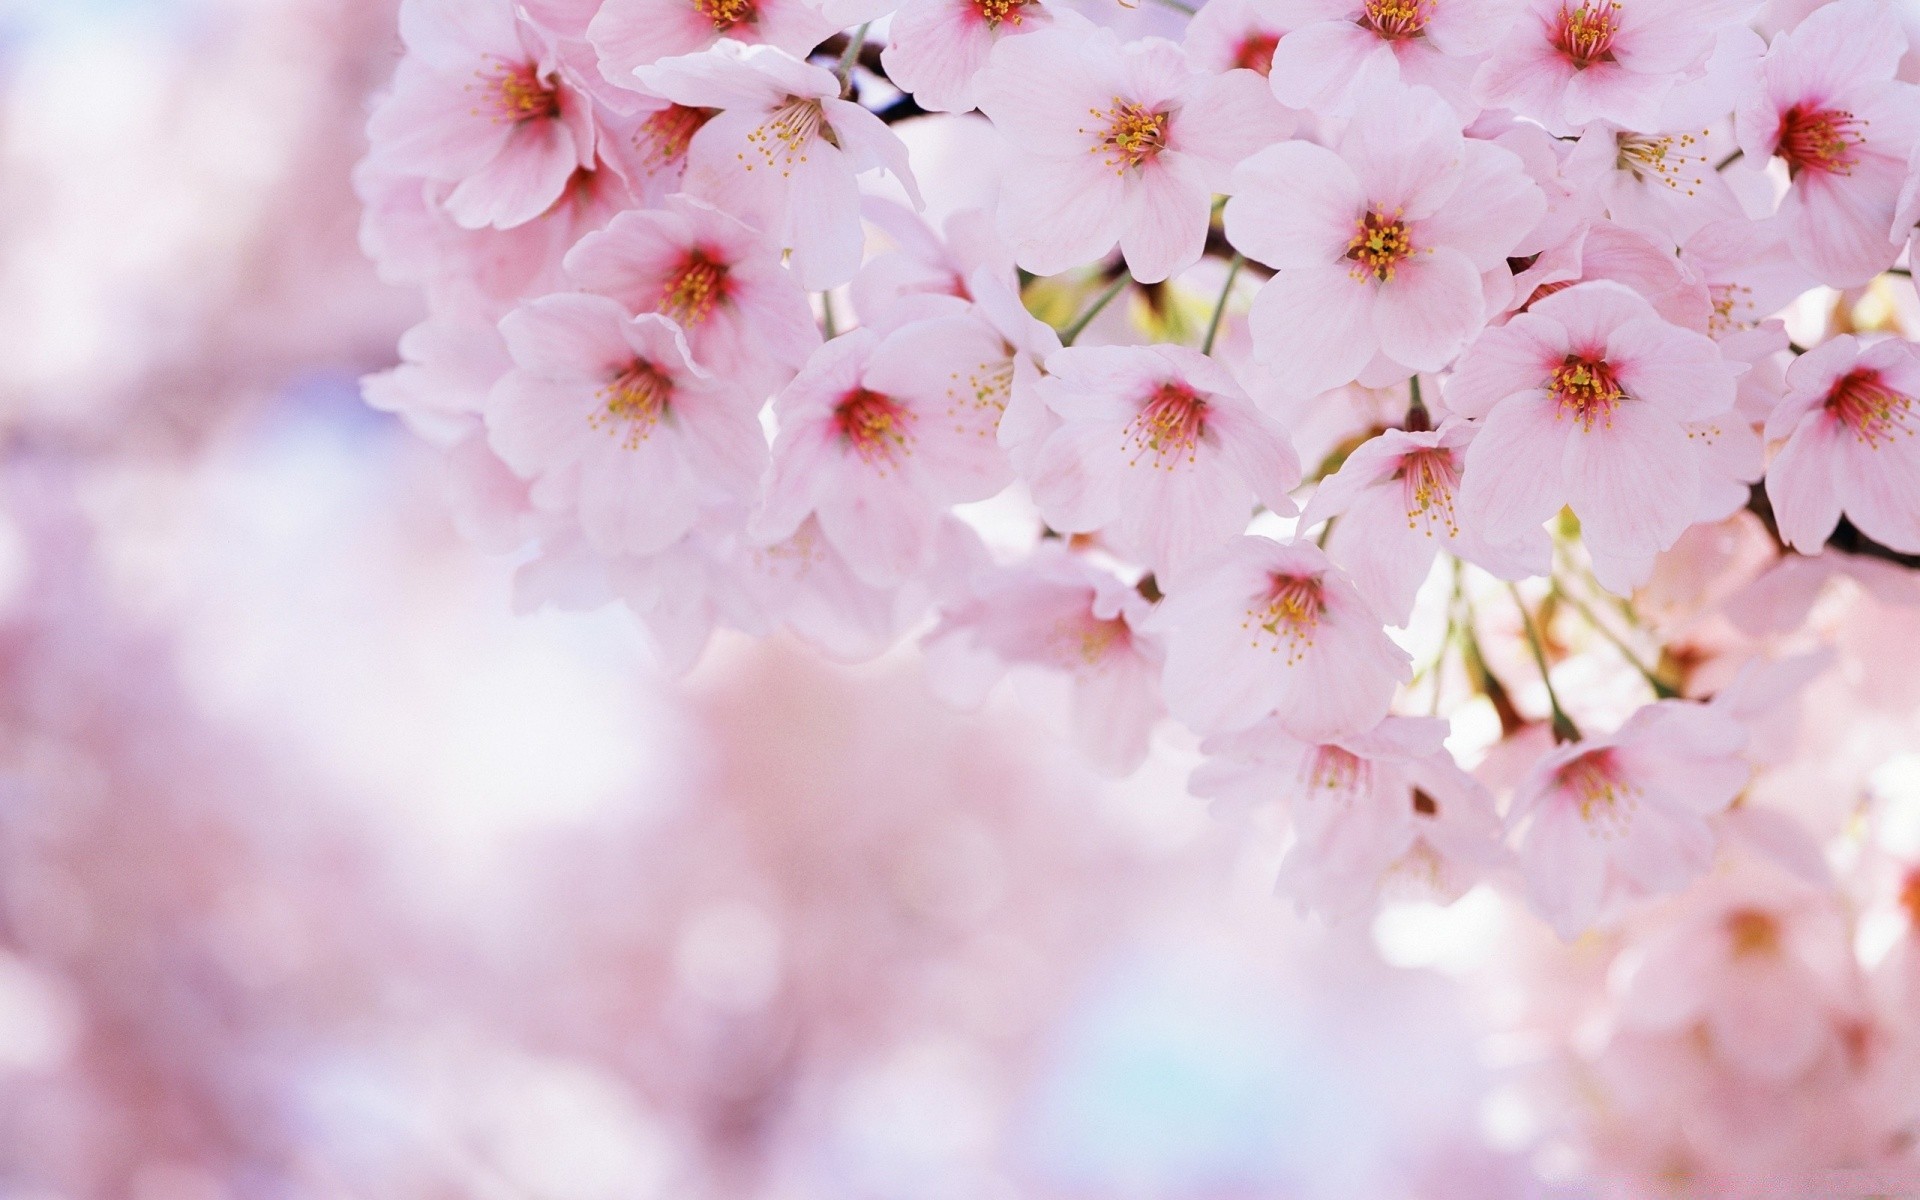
1428	480
1819	140
633	402
725	14
1288	615
693	290
1396	20
1586	390
877	428
1128	134
1380	243
1169	427
1605	800
1586	31
1872	411
784	138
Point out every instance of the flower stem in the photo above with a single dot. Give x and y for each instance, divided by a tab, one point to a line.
1729	160
826	315
1564	730
1661	688
1906	272
845	71
1085	319
1418	418
1220	309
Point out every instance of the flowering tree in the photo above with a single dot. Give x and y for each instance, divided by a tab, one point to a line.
1475	428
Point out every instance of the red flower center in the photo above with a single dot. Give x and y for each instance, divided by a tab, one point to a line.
725	14
1910	898
1819	139
1169	427
1585	389
1380	242
1087	640
1753	932
516	93
1585	32
993	12
1256	52
1128	134
1335	770
1429	479
693	290
1397	20
876	427
1605	799
664	135
633	402
1288	615
1872	411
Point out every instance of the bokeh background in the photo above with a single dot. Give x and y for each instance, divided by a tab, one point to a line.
323	874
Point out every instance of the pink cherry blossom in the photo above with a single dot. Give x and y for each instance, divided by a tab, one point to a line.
937	48
1059	613
1386	809
784	151
1226	34
1116	144
1851	426
630	34
743	315
1159	447
1396	498
1662	184
1271	628
1760	964
481	105
1338	50
1610	819
1605	250
1379	243
1582	401
1569	62
878	435
608	412
1833	112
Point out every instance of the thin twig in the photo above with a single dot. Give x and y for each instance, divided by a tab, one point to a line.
1564	730
1220	309
1085	319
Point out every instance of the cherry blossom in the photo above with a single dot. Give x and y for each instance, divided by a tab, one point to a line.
1604	819
630	34
1061	614
1386	808
1274	628
1396	498
1582	401
1338	50
784	151
1833	112
876	434
1123	144
1850	425
482	105
743	315
936	49
1379	244
1567	64
609	412
1160	448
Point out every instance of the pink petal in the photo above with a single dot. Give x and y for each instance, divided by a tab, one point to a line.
1516	357
1424	315
1294	205
1515	478
1164	229
1633	479
1315	325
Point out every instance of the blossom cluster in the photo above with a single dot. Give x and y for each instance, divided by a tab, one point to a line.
1439	413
